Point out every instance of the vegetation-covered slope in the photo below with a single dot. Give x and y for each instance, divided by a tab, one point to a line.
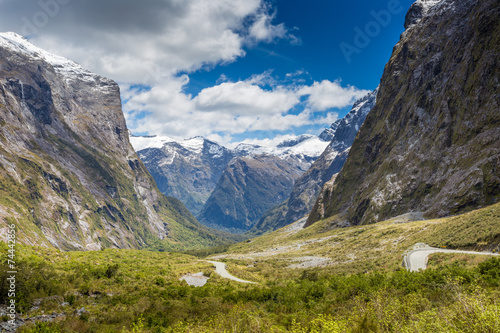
69	177
432	142
140	291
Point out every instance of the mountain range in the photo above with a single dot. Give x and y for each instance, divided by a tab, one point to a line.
250	186
226	188
427	142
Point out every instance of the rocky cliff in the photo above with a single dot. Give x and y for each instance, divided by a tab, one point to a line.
432	142
69	177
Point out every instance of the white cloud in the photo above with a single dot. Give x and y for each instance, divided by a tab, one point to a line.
144	41
227	109
150	42
245	98
327	94
263	30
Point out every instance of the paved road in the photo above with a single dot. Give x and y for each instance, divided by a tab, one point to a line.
416	259
220	268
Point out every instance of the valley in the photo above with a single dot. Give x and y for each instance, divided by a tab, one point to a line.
386	221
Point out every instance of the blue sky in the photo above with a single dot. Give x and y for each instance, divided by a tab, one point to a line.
241	70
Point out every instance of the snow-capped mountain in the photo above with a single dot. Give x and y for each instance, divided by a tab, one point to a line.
185	169
342	132
190	169
70	70
306	147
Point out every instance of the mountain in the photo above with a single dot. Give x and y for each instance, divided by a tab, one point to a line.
308	186
187	169
249	187
69	177
190	169
431	144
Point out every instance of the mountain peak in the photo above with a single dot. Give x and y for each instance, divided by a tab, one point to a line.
69	69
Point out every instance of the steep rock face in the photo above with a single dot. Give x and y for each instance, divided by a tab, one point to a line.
248	187
69	177
308	186
432	142
187	170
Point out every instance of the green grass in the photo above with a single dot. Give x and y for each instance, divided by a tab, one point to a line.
140	291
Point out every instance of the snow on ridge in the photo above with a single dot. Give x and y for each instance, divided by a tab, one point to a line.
194	144
158	141
312	146
63	66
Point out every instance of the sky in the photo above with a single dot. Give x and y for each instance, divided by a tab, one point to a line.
253	71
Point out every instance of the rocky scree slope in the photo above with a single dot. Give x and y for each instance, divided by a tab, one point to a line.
69	177
432	142
307	187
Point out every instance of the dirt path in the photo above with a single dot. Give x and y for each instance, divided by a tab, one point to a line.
416	259
220	268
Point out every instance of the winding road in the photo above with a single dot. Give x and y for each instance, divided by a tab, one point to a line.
220	268
416	259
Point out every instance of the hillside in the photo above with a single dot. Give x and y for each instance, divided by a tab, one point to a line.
431	144
69	177
343	280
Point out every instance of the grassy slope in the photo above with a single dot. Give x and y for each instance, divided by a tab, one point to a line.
376	246
140	290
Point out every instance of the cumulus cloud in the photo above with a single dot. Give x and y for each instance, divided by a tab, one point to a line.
229	108
140	41
144	45
263	30
246	98
327	94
